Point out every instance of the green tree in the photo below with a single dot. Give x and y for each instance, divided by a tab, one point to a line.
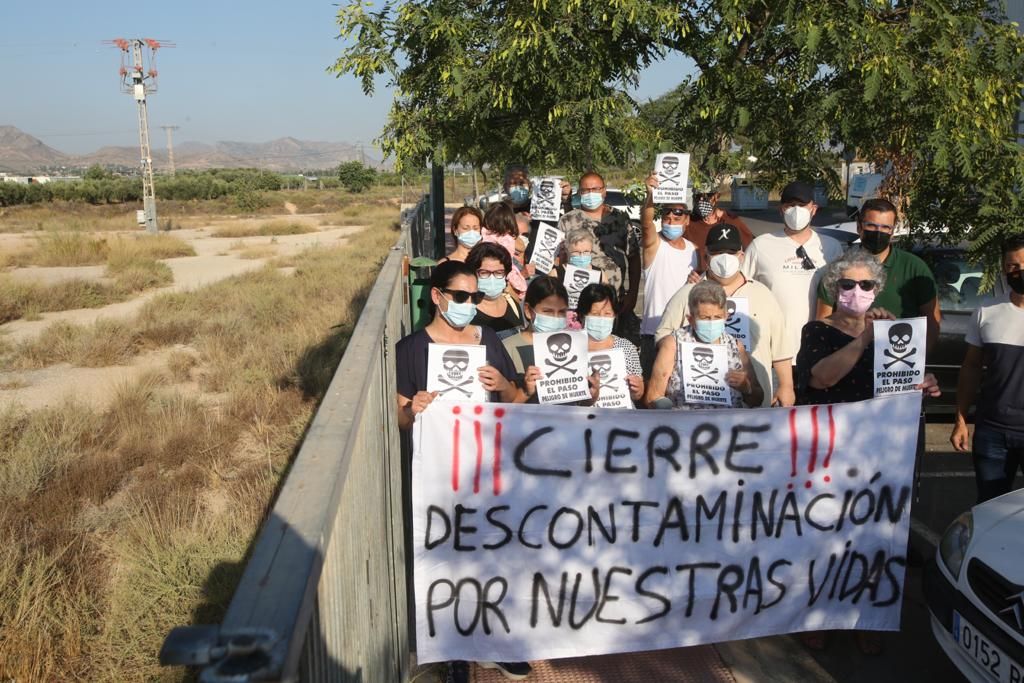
929	88
97	172
355	177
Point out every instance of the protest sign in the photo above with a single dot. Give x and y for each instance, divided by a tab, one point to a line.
562	357
546	204
737	323
673	171
542	532
610	365
899	354
703	368
452	371
576	279
548	239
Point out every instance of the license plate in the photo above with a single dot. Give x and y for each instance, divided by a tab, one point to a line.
989	657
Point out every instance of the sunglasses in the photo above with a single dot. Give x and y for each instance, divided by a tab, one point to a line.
460	297
675	212
865	285
806	261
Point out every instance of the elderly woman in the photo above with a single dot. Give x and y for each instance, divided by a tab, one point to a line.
836	359
577	250
706	325
836	364
466	222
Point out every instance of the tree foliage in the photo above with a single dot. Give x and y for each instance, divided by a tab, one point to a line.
355	177
928	88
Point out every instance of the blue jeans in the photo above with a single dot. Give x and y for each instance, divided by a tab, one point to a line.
997	457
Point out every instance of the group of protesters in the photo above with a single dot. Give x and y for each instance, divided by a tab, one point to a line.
811	305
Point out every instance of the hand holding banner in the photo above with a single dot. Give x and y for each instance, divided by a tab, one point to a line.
452	371
899	354
703	368
548	239
562	357
673	171
610	365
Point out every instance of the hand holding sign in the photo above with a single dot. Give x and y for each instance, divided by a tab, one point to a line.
610	366
453	372
899	354
673	172
562	357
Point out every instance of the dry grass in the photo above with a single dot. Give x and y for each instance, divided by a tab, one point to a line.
123	522
78	249
251	251
264	230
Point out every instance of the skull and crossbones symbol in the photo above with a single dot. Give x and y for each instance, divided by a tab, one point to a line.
545	196
703	359
455	376
900	335
732	321
559	345
669	173
602	365
580	279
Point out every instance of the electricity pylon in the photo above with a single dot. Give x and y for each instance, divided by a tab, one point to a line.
170	145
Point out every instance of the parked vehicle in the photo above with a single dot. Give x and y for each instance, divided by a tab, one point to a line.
974	588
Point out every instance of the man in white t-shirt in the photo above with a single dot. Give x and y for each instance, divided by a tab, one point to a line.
762	332
790	262
669	258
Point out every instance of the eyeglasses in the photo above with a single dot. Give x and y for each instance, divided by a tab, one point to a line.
460	296
588	252
880	227
591	189
865	285
675	212
807	263
491	273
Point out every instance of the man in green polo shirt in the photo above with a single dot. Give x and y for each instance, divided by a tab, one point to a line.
910	289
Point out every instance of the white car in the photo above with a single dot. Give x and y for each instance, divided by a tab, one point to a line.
974	588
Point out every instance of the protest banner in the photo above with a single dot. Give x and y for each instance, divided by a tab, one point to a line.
703	368
610	365
548	239
899	354
543	532
545	202
673	171
452	371
576	279
562	357
737	323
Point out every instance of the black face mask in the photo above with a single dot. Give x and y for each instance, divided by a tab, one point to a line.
1016	281
875	241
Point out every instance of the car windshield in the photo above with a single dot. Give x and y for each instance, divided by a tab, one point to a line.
958	281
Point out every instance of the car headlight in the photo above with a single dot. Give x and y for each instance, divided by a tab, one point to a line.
953	547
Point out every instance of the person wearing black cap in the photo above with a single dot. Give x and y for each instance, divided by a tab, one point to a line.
791	261
765	326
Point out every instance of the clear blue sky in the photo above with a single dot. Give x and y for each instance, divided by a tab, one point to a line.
243	71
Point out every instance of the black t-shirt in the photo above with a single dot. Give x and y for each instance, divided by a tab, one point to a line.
820	340
511	319
411	361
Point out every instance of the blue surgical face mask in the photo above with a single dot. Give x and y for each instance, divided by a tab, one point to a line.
591	200
671	232
491	286
709	330
581	260
599	328
470	238
460	315
548	323
518	194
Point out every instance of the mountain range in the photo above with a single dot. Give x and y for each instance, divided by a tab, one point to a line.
23	153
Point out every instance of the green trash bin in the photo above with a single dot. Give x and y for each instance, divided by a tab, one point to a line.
419	291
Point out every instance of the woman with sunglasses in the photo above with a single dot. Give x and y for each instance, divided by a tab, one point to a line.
836	364
454	294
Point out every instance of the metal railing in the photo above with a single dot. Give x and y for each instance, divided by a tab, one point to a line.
323	596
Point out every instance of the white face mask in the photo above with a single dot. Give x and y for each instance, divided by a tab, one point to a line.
724	266
797	217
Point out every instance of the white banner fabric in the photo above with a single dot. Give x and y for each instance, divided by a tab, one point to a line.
542	532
